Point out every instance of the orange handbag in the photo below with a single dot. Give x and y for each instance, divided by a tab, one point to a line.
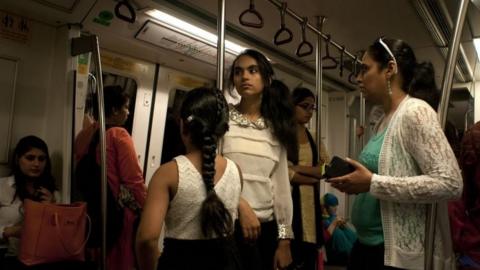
53	232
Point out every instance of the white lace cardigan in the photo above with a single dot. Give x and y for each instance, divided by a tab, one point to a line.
416	167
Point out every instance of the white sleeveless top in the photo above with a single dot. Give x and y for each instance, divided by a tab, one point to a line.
183	217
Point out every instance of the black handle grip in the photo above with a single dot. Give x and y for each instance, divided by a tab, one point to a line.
286	40
133	15
301	46
333	65
251	24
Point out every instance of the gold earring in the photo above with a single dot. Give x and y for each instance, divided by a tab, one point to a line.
389	88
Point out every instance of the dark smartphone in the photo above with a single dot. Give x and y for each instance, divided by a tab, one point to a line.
337	167
37	195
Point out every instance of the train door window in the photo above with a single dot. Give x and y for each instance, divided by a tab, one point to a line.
129	86
172	142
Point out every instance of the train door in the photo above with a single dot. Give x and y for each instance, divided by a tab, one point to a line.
137	79
171	87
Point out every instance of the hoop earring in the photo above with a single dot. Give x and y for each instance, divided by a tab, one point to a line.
389	88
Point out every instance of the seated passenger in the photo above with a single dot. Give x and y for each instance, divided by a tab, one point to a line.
305	174
465	213
341	240
31	179
125	179
196	194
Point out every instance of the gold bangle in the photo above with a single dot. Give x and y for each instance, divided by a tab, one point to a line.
285	231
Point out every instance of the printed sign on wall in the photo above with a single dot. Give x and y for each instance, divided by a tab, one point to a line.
14	27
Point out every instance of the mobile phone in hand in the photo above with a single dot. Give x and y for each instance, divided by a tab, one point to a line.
337	167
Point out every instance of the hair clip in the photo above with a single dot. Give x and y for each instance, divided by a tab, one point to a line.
190	118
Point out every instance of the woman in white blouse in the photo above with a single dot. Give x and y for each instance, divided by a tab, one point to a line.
406	164
260	135
31	179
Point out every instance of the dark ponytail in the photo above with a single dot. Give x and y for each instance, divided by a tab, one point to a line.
418	78
276	107
423	84
205	116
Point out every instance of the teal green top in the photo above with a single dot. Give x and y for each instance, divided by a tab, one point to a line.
366	209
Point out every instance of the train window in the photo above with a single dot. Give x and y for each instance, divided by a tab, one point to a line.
130	87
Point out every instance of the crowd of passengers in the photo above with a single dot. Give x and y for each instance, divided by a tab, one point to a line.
244	192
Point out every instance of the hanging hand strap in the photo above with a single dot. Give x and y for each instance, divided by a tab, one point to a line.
283	28
353	74
327	57
342	52
304	44
133	15
251	10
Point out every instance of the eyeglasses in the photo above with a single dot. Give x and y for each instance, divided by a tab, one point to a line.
307	107
384	45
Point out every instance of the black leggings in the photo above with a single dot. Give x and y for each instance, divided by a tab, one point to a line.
258	255
212	254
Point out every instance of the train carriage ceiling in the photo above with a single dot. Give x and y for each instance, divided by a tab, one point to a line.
352	23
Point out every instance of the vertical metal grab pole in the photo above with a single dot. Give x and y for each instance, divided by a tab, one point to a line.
442	114
79	46
318	87
362	119
103	151
319	80
220	43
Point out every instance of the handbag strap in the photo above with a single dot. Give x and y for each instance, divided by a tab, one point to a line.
59	235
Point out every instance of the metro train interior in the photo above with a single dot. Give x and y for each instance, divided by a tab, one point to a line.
157	50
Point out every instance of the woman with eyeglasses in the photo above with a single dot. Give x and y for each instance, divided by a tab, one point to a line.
304	178
31	179
406	164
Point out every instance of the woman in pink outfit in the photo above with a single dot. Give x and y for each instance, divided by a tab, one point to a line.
124	175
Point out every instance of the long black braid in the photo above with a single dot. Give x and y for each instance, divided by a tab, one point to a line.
205	114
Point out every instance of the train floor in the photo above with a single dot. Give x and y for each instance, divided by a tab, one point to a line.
332	267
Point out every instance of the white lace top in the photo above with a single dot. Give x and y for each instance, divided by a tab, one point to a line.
183	216
263	162
416	166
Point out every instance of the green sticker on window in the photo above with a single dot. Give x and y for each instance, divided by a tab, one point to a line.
105	15
83	59
104	18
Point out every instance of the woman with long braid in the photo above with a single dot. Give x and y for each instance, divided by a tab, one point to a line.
196	194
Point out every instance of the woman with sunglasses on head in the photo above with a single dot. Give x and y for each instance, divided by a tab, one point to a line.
259	138
305	174
31	179
406	164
